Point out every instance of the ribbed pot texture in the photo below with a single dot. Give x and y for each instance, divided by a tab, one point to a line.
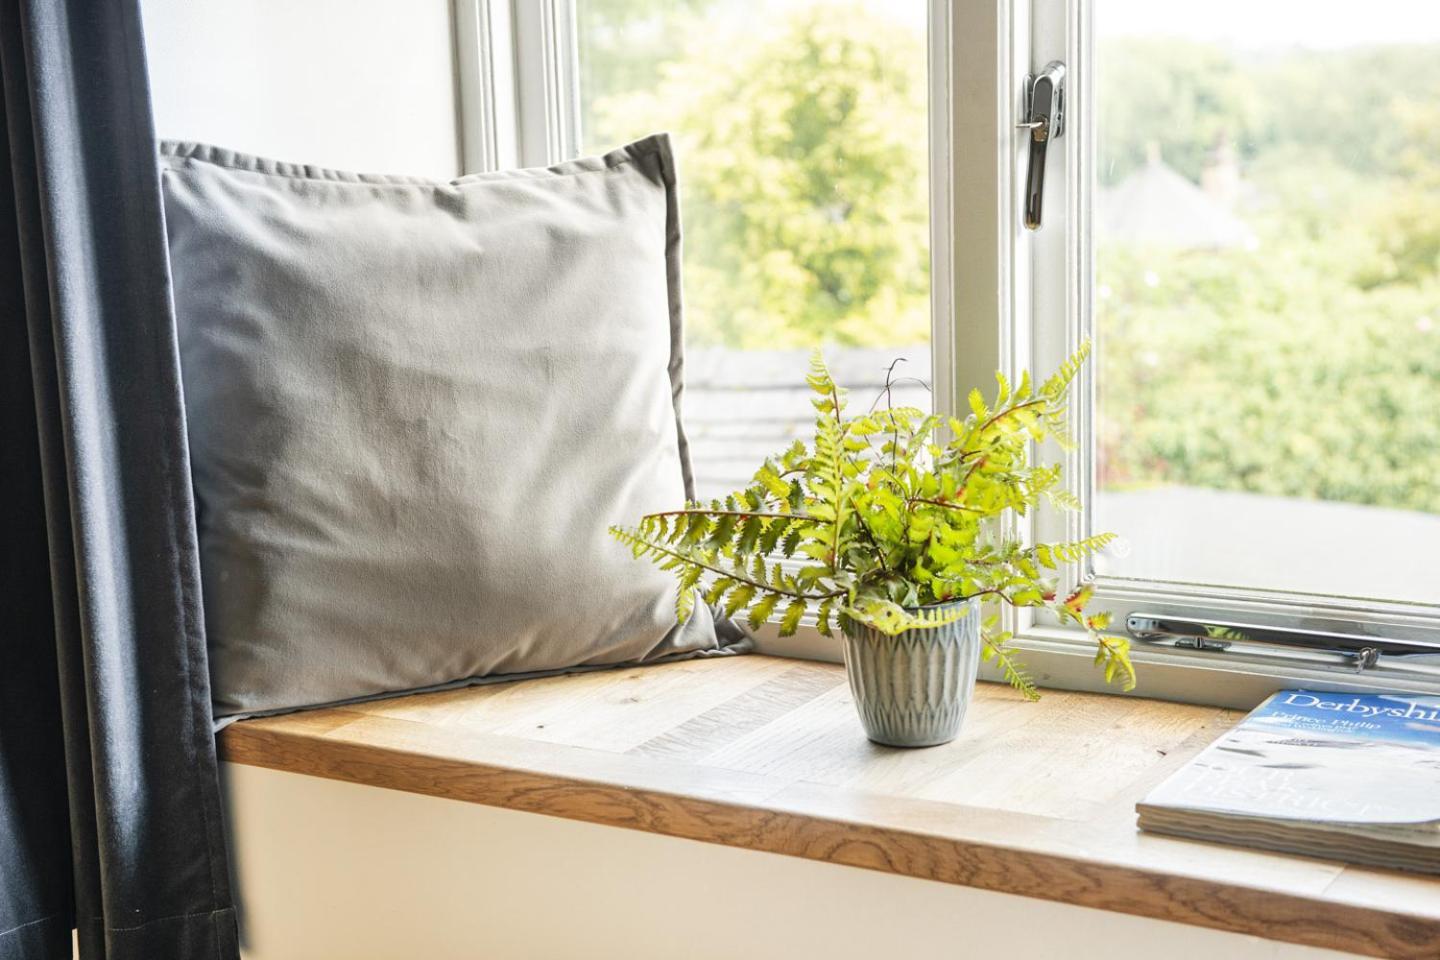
912	689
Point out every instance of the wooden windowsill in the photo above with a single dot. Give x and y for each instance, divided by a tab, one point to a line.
767	754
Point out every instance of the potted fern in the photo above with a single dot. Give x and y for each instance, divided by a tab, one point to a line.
885	525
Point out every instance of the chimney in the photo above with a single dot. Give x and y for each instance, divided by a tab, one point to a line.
1220	177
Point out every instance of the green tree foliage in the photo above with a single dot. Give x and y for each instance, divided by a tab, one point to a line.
1342	107
1407	221
890	522
1307	367
1179	95
623	45
1271	376
1310	366
803	172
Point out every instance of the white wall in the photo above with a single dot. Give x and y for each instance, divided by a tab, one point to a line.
333	870
365	85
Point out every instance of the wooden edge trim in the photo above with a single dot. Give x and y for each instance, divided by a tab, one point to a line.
774	829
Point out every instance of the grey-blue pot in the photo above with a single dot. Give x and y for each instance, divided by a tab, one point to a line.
911	690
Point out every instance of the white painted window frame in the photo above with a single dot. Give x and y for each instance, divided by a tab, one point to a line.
1060	317
518	83
1002	298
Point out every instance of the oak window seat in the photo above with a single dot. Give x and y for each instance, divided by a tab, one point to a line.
766	753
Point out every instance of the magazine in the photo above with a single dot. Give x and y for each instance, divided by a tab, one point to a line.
1339	775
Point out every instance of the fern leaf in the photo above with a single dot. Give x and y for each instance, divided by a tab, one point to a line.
890	618
823	617
1113	655
761	610
697	528
797	495
750	529
1054	389
724	529
739	596
1052	555
685	593
977	404
717	590
769	477
791	621
774	528
1011	669
1063	499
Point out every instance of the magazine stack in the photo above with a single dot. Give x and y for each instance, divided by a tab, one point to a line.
1336	775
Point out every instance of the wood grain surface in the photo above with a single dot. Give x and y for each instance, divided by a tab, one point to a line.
767	754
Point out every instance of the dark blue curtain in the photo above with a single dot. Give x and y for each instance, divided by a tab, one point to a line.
110	818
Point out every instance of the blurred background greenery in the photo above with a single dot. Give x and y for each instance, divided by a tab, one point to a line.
1290	347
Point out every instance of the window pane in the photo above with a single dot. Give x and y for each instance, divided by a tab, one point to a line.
800	129
1267	293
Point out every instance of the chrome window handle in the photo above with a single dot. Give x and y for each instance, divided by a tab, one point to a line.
1045	119
1363	652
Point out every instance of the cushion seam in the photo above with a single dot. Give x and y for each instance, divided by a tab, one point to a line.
174	154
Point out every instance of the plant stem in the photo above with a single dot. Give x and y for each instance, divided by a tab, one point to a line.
971	472
875	544
837	479
1008	411
740	577
736	513
941	503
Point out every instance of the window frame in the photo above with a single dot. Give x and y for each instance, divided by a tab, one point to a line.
1061	271
517	83
1015	299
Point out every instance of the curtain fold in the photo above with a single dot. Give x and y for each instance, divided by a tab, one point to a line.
110	816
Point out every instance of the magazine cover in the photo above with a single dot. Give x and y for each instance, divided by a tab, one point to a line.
1321	757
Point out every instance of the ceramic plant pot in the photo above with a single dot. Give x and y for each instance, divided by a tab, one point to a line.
912	689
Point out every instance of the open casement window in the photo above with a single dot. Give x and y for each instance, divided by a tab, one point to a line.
1240	215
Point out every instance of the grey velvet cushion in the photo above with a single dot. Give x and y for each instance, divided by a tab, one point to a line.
415	407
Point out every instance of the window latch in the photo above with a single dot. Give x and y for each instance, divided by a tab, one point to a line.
1045	120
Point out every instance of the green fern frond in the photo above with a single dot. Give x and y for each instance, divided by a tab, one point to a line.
977	404
689	579
1002	393
891	618
1063	500
791	621
1112	654
717	590
1051	555
823	618
1014	672
829	399
1055	388
740	595
761	610
884	519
